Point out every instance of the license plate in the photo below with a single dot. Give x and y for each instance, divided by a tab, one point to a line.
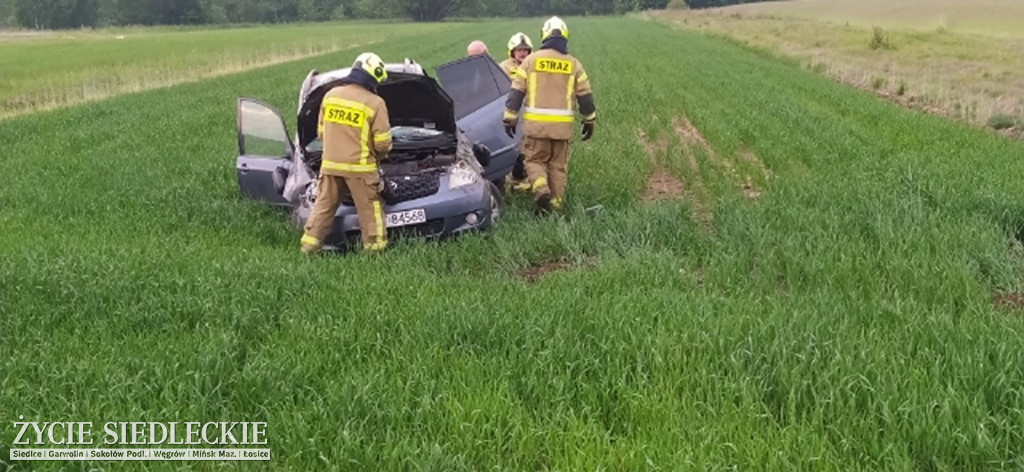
408	217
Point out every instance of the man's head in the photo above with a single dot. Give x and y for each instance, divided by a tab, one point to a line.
476	48
519	46
554	27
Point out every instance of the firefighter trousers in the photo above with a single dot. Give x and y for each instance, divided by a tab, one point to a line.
365	191
547	165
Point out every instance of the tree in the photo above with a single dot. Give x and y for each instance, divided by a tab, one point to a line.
7	13
532	7
83	13
55	14
375	9
31	13
429	10
214	11
79	13
307	10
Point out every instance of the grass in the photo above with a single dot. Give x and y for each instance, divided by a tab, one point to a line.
879	39
842	320
59	69
997	18
1002	121
945	68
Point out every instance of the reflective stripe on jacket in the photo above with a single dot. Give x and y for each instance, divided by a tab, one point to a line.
552	83
355	129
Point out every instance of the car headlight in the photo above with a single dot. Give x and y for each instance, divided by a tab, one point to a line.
461	175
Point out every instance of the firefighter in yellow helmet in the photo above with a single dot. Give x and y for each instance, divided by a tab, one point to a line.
553	85
519	46
356	132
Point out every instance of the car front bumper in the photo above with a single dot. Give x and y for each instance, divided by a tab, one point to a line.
448	212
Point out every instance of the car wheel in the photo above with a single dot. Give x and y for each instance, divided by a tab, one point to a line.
500	183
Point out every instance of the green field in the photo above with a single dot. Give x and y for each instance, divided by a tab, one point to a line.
57	69
815	292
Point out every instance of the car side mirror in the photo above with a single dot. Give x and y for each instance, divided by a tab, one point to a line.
482	154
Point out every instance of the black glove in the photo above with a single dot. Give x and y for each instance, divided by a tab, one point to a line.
510	129
588	129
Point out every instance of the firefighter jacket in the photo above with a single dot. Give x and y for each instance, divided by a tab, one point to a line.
355	129
509	66
551	83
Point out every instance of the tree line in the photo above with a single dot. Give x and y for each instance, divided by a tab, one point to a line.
61	14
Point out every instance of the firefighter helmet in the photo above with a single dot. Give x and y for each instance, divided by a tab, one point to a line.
517	41
551	26
373	65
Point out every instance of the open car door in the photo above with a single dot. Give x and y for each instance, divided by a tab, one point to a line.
478	88
264	152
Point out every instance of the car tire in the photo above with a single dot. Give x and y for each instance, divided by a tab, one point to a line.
500	183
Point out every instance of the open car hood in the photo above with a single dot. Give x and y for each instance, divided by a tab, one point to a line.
412	100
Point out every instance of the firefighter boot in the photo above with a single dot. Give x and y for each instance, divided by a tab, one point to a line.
370	209
541	195
520	180
321	218
558	172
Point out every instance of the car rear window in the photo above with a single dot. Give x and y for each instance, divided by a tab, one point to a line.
473	82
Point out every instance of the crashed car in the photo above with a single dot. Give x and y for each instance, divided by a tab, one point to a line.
449	151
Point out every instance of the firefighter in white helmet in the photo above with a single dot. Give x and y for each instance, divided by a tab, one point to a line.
519	47
553	86
356	132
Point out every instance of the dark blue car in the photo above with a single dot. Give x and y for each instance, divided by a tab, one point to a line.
443	175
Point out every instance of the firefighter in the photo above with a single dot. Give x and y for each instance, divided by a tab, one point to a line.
356	132
549	81
519	46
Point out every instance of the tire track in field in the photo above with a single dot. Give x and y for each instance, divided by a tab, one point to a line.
661	184
682	152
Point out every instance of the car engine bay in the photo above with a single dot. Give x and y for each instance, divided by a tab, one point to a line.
416	162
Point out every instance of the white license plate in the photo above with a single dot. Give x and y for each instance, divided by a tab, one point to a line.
408	217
